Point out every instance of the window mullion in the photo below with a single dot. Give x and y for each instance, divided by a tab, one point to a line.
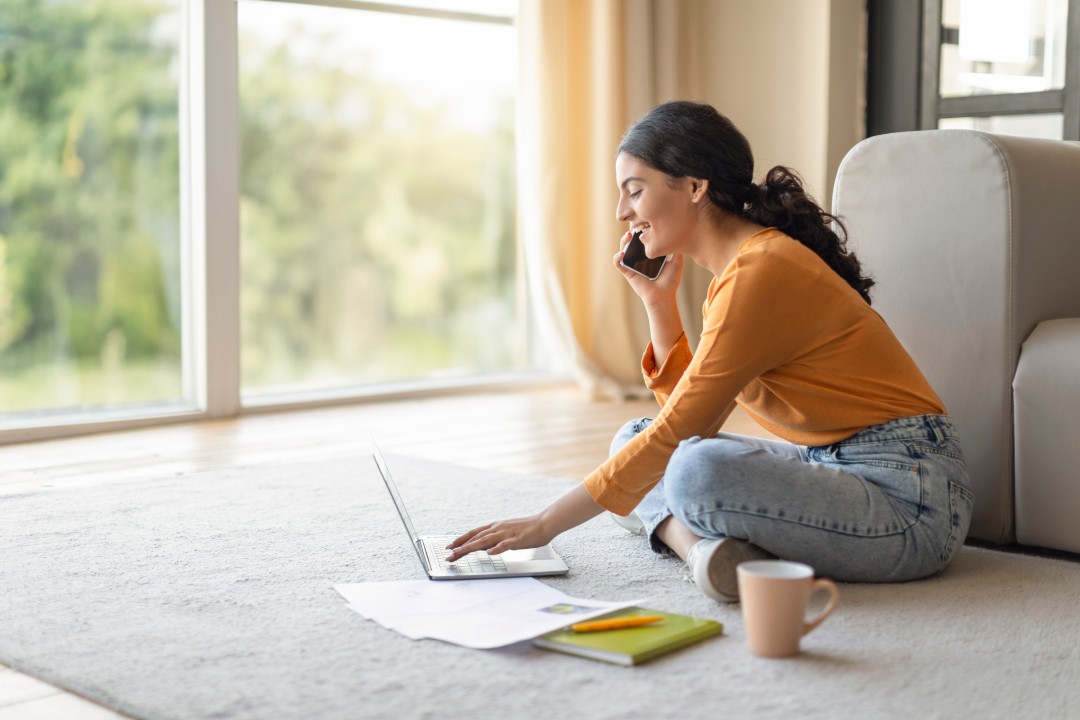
931	64
1005	104
215	206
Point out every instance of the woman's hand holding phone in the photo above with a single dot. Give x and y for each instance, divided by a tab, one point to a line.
651	291
658	296
636	258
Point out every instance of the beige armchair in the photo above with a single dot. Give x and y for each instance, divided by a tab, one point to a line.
974	240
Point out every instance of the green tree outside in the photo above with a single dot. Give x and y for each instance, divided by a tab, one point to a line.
89	202
377	240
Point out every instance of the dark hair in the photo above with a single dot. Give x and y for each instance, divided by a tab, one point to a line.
686	139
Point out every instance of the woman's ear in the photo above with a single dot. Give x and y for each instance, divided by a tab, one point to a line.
699	189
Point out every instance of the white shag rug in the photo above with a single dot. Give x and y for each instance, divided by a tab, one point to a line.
211	596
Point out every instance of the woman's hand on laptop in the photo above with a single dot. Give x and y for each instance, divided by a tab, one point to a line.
572	509
497	537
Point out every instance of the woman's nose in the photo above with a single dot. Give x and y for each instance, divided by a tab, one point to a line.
622	213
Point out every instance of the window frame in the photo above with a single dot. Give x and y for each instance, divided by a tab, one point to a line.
210	253
933	107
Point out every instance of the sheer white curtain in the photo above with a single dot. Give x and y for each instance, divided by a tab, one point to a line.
588	69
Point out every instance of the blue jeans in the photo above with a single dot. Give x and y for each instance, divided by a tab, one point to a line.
888	504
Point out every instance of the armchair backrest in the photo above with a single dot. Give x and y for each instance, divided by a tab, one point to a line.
973	239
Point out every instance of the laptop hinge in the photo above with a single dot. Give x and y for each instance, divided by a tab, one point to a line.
421	550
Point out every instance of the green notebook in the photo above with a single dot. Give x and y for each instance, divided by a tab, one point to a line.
632	646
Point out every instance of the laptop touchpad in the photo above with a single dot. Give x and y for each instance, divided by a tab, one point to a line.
541	553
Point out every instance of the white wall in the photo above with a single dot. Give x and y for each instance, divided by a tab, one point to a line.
790	74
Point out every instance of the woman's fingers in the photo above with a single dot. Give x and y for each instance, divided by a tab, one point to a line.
458	542
501	547
618	256
498	537
479	539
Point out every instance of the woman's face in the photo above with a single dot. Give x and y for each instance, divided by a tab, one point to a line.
653	201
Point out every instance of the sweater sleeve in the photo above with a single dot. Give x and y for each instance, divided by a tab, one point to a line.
662	380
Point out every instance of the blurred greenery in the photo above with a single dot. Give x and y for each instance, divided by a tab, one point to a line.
377	240
89	202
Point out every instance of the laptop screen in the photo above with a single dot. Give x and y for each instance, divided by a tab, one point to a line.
392	487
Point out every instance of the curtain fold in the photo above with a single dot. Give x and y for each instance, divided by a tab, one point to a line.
588	68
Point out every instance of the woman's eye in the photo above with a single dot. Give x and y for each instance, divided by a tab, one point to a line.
635	194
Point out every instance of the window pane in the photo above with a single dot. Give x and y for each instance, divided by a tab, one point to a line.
1004	46
90	302
1047	125
377	211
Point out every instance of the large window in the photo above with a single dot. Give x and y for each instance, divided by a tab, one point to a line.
334	218
377	213
1003	66
90	279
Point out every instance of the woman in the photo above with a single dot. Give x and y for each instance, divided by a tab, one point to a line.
868	484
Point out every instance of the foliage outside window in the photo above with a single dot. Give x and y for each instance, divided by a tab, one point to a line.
377	219
377	216
89	204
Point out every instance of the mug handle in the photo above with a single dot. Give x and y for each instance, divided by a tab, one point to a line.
834	597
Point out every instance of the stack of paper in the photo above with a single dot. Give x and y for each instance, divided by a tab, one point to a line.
474	613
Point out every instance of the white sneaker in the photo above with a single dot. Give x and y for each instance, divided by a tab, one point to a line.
630	523
713	561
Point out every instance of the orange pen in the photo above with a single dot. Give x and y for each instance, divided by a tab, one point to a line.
616	623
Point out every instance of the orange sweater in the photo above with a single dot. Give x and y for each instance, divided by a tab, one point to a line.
792	343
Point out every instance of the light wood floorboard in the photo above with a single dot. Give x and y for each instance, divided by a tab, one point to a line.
555	431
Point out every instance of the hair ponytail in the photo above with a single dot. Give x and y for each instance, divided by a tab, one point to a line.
687	139
782	202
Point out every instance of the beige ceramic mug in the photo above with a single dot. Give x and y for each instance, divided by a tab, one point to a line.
774	595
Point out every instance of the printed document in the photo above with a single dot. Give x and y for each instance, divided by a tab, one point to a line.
473	613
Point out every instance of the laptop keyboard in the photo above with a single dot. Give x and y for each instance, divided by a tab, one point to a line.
476	562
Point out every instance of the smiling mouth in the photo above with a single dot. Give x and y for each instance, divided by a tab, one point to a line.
640	230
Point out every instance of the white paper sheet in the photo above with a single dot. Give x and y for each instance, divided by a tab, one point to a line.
474	613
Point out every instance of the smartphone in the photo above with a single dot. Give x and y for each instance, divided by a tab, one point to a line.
635	259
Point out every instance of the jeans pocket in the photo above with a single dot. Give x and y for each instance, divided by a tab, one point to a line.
961	502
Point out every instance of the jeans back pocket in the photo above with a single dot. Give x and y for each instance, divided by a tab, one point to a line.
961	503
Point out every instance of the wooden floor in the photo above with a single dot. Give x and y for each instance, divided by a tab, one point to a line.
554	431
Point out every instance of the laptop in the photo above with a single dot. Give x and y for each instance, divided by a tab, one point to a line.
432	551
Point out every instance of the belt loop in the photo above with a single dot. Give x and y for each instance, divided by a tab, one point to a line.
935	431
